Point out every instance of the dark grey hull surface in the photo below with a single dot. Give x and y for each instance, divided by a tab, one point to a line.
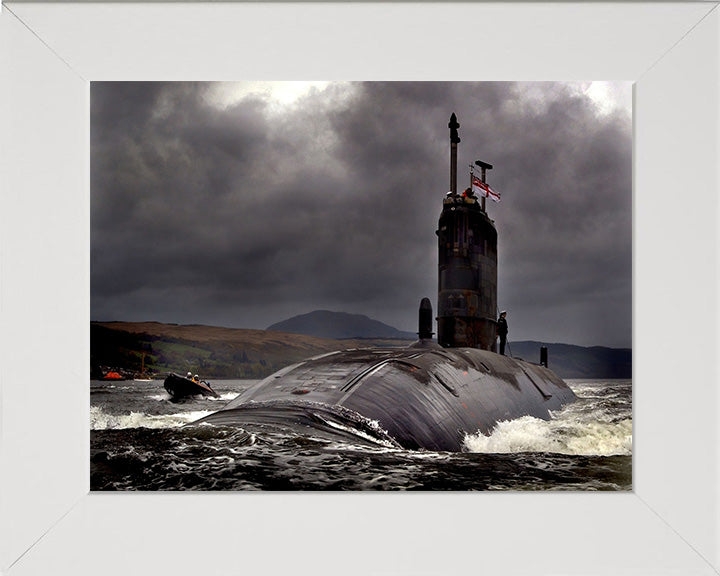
421	397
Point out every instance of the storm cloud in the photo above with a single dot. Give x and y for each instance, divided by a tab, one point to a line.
243	212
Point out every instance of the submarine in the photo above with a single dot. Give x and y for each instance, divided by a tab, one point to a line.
432	394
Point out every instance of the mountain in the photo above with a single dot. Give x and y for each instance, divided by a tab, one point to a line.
566	360
339	325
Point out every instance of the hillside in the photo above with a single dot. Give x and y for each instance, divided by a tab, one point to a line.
339	325
216	352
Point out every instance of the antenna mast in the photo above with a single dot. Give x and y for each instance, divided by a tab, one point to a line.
454	141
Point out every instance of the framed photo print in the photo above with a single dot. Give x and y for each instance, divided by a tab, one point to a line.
197	195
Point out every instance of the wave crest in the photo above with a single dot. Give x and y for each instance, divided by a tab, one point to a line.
574	437
101	420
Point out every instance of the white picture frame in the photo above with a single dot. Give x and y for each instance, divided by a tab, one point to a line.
51	524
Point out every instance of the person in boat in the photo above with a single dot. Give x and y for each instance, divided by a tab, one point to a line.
502	331
196	378
189	376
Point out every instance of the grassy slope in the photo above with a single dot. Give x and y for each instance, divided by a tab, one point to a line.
207	350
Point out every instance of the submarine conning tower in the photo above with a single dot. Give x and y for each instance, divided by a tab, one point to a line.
467	264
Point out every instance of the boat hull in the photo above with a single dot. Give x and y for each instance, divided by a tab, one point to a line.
181	387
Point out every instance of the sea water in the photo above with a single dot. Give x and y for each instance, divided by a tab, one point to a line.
141	440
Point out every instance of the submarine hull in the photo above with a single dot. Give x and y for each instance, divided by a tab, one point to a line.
420	397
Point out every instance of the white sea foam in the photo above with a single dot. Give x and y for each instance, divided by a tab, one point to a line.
599	423
562	435
100	420
223	397
357	432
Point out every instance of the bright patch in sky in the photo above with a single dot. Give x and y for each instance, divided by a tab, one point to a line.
283	93
609	96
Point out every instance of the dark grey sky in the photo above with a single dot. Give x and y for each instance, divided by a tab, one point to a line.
241	205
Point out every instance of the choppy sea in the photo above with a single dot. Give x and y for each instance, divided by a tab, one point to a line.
140	440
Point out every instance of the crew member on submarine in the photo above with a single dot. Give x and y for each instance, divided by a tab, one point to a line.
430	395
502	330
